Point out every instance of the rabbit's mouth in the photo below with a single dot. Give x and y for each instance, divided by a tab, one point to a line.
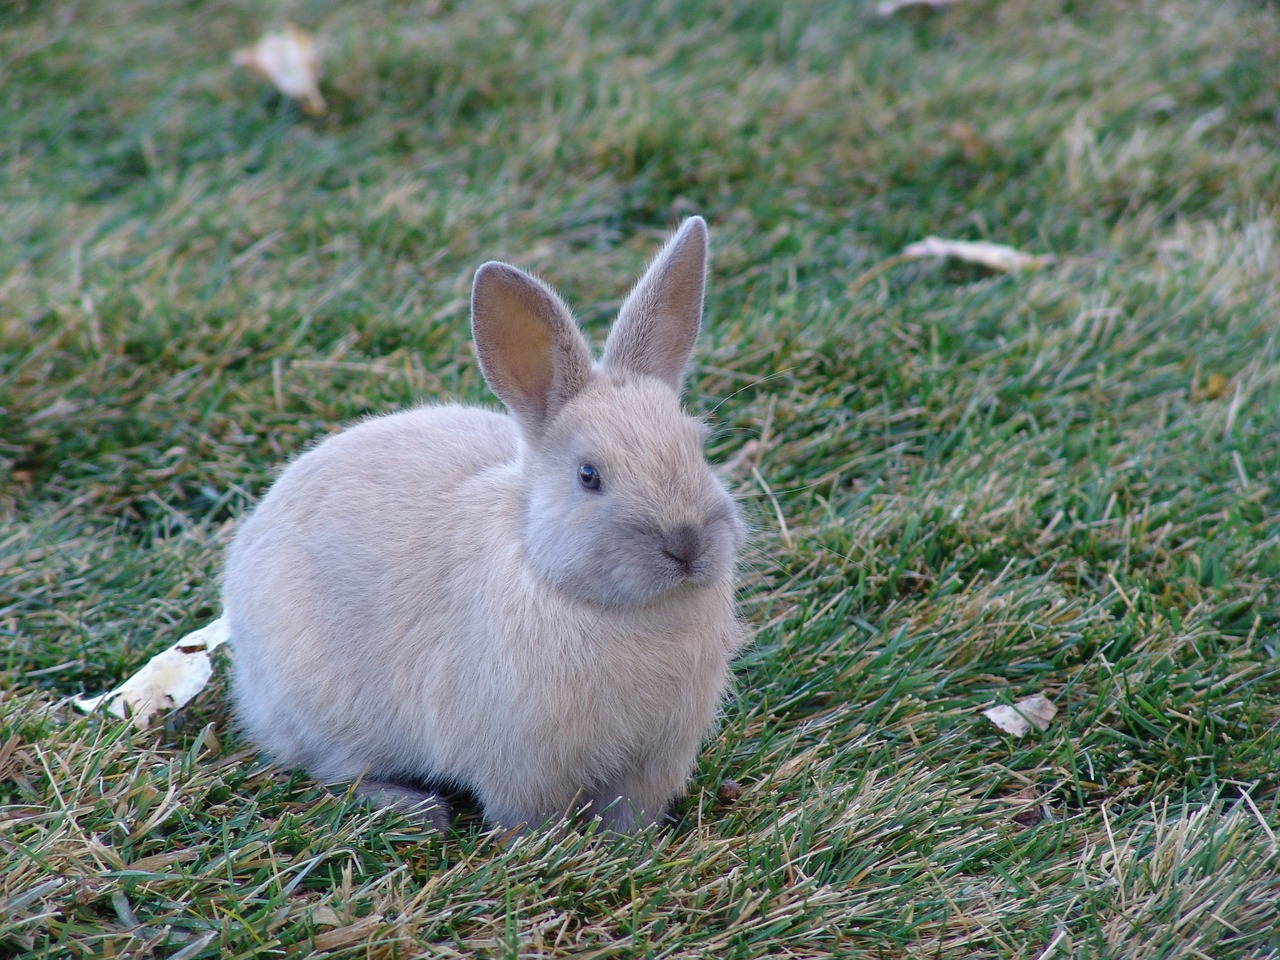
684	546
690	555
684	567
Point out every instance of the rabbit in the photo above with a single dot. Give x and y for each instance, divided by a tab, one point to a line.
536	607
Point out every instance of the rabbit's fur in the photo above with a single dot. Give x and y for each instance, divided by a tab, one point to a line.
440	597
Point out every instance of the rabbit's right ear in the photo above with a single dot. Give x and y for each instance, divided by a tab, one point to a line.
658	322
530	350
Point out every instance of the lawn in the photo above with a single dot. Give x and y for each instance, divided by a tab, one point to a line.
964	487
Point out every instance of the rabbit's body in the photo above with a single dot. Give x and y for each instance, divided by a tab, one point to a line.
438	595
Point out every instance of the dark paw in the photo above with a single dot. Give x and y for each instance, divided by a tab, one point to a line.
416	802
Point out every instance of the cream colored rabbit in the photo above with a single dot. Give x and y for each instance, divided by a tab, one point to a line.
536	607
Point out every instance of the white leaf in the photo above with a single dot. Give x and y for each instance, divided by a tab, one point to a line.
167	681
290	61
996	256
1034	711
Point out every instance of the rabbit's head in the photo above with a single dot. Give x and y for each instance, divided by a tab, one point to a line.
621	506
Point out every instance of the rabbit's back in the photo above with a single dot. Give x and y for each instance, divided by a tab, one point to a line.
335	586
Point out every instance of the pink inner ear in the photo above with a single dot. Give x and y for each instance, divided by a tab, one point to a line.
525	349
530	350
659	321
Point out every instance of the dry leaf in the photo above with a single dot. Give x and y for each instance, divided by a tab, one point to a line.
167	681
995	256
289	61
324	916
1034	711
889	7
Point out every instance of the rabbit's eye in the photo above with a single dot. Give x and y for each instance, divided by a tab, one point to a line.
589	476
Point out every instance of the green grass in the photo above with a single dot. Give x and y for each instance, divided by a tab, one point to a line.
964	488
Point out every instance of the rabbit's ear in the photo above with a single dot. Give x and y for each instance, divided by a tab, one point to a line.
529	347
658	323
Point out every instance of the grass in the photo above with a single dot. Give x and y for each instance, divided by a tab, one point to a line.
965	488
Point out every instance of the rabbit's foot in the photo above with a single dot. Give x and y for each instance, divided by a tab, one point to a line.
416	802
623	813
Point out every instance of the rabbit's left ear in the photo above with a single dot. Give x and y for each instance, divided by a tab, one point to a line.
659	321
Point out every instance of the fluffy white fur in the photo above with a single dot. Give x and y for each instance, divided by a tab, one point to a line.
437	597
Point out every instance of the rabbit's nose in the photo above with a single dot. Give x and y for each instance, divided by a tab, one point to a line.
683	544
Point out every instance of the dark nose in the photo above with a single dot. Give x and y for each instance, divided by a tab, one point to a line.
683	544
